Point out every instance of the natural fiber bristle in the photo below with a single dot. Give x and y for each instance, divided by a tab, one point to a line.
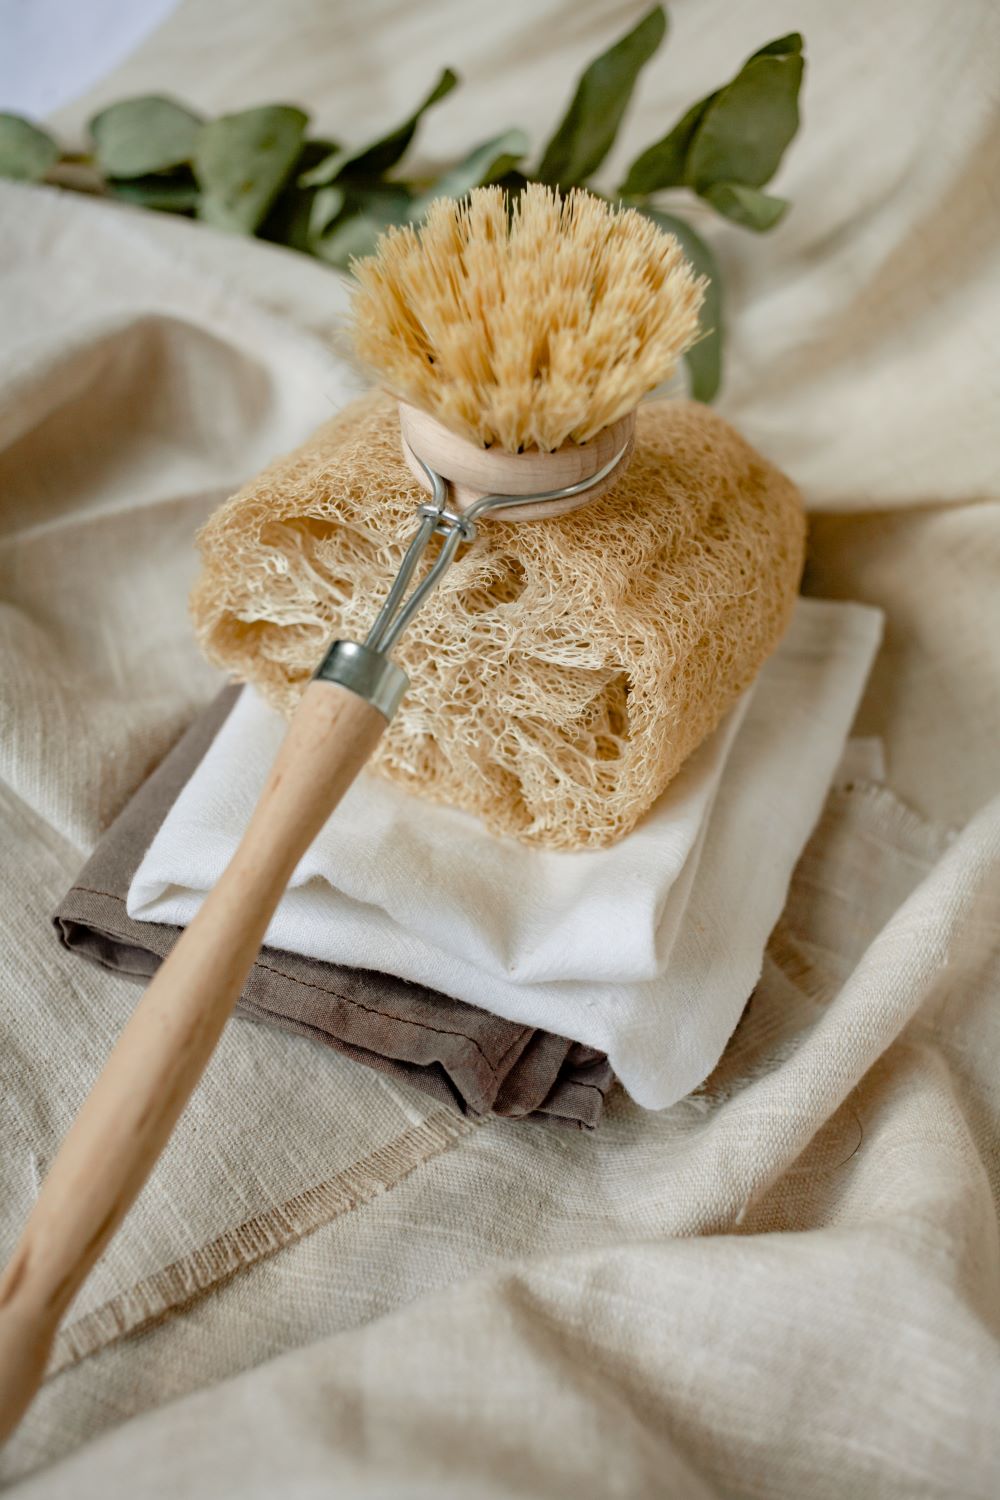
526	322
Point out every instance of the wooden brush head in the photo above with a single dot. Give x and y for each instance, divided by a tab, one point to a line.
525	323
472	471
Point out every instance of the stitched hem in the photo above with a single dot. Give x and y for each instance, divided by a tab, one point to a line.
170	1290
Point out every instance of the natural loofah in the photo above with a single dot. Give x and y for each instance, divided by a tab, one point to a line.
564	670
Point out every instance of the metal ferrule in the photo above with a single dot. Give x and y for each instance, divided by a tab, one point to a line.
365	672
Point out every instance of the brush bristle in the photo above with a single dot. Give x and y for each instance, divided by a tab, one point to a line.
523	323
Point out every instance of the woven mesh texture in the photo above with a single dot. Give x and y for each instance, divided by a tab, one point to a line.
565	668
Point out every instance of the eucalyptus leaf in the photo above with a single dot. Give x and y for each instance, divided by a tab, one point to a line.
743	135
782	46
366	213
664	164
493	160
26	153
588	129
703	359
746	205
288	219
327	205
512	183
351	238
170	194
243	160
141	136
372	161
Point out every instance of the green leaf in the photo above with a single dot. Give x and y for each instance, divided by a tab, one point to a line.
350	239
703	359
327	205
177	194
364	216
588	129
782	46
372	161
242	161
663	165
746	205
140	136
513	183
288	219
26	153
743	135
489	162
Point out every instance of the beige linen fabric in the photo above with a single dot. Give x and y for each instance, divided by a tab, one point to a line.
787	1286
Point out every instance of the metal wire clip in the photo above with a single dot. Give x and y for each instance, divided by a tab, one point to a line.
366	669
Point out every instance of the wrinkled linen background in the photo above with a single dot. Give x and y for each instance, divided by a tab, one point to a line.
784	1286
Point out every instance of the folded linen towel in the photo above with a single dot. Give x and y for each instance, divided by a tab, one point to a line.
671	922
465	1056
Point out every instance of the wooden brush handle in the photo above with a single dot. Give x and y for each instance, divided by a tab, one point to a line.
127	1119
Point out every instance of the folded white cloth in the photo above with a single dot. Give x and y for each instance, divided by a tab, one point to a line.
648	950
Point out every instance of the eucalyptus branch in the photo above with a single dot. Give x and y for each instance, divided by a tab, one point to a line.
258	172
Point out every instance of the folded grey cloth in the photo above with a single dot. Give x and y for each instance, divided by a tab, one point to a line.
455	1051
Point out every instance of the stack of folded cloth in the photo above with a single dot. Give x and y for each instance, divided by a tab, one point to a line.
505	979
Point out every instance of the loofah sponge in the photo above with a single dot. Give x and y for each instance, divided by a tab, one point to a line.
563	671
